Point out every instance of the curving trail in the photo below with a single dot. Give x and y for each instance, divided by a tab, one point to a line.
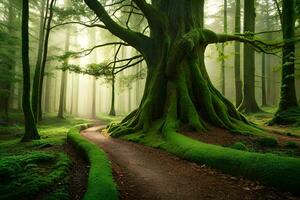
144	173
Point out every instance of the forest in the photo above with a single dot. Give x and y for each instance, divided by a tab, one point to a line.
150	99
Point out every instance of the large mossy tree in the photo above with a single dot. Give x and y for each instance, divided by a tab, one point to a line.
288	111
178	90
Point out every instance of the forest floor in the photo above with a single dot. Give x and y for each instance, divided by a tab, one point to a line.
146	173
48	168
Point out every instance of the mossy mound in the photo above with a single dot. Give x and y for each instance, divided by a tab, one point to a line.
27	174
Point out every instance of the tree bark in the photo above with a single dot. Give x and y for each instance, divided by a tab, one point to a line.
249	104
31	131
237	56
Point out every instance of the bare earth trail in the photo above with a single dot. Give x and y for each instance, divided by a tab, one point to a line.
144	173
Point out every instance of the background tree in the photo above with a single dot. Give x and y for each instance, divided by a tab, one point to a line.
31	131
42	58
9	40
237	56
249	103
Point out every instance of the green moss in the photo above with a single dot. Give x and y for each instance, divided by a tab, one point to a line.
239	146
268	142
100	182
25	175
28	171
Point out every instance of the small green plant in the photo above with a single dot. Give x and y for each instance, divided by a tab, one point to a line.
291	144
239	146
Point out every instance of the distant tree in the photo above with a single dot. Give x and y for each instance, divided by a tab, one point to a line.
237	56
31	131
249	104
9	41
108	70
46	17
63	82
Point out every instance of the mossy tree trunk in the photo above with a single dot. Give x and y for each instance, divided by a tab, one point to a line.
249	104
31	131
178	89
288	99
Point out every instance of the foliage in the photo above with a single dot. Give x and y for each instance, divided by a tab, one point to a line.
100	182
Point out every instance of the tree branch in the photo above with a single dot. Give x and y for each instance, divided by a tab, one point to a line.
154	17
80	23
135	39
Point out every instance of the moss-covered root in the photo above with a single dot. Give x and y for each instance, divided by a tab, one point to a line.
100	181
272	170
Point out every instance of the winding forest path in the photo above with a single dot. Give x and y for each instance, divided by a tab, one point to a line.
145	173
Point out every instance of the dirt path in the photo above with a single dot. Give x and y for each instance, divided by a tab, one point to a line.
145	173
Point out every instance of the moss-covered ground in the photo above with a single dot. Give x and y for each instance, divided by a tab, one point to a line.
37	169
263	118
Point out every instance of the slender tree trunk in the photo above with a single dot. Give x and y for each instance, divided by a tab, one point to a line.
48	93
63	84
112	111
249	104
35	89
61	108
288	100
94	114
263	80
93	59
31	131
237	57
223	51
